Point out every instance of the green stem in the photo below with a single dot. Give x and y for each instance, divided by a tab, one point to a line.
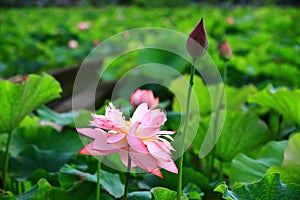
98	180
127	178
181	147
6	160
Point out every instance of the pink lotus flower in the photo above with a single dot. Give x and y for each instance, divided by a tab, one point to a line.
73	44
140	138
143	96
82	26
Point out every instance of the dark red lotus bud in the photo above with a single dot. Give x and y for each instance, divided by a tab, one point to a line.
197	42
225	51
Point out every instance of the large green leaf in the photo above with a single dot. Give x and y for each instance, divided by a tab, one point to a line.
269	188
80	190
35	147
37	192
8	197
45	138
190	175
110	182
290	168
46	113
43	190
161	193
245	169
285	101
235	97
18	100
193	176
192	191
242	132
139	195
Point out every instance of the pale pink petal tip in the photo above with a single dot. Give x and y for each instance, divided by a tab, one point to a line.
157	172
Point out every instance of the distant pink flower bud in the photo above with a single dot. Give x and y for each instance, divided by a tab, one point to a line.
143	96
121	17
225	51
230	20
82	26
19	79
197	42
126	34
96	42
73	44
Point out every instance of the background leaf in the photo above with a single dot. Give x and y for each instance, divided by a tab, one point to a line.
245	169
46	113
35	147
235	97
143	195
161	193
192	191
242	132
268	188
285	101
18	100
37	192
110	182
290	168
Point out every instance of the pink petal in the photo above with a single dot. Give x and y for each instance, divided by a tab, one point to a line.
113	119
147	132
88	150
140	112
117	116
91	132
157	151
144	161
157	172
136	144
100	143
155	103
166	143
143	96
169	166
105	148
124	158
134	127
114	138
158	118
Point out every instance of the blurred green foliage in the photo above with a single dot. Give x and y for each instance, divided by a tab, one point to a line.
265	40
259	122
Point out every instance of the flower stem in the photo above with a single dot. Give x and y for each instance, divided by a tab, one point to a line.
127	178
98	180
181	147
6	160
